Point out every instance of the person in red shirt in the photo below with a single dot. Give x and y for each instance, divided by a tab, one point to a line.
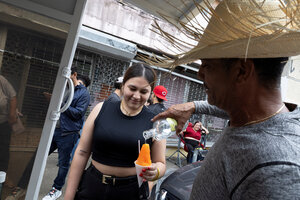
192	137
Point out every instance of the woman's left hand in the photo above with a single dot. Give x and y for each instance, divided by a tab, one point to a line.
150	173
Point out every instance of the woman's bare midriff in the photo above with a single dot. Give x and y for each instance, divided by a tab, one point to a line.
114	171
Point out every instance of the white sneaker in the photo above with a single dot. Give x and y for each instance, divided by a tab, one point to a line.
53	194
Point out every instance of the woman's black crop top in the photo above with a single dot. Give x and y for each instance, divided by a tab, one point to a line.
115	137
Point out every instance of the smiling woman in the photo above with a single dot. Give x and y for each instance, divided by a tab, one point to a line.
137	86
111	133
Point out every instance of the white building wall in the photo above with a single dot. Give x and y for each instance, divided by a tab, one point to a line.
290	82
126	22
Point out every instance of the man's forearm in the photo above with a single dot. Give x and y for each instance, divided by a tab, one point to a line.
203	107
13	110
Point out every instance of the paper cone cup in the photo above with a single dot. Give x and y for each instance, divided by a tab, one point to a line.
138	169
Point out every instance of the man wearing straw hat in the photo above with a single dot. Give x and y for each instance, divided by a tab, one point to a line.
243	51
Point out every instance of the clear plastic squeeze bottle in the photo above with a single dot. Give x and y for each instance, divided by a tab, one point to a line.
162	129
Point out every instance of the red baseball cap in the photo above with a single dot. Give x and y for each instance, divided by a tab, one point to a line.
161	92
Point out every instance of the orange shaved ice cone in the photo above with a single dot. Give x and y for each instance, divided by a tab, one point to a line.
144	156
143	162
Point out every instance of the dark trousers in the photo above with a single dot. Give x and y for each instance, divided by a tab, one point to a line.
191	145
64	145
5	134
92	188
24	180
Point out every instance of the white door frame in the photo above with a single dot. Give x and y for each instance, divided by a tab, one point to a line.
55	103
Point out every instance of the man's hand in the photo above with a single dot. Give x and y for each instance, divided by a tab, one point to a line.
180	112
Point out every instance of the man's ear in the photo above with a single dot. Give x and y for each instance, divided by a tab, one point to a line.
75	74
245	70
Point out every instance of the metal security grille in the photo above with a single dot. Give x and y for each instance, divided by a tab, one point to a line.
30	63
197	93
105	72
83	60
176	87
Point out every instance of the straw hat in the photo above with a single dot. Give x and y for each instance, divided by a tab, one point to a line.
241	29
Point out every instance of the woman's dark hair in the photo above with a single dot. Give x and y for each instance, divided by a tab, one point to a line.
150	101
268	70
196	123
141	70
